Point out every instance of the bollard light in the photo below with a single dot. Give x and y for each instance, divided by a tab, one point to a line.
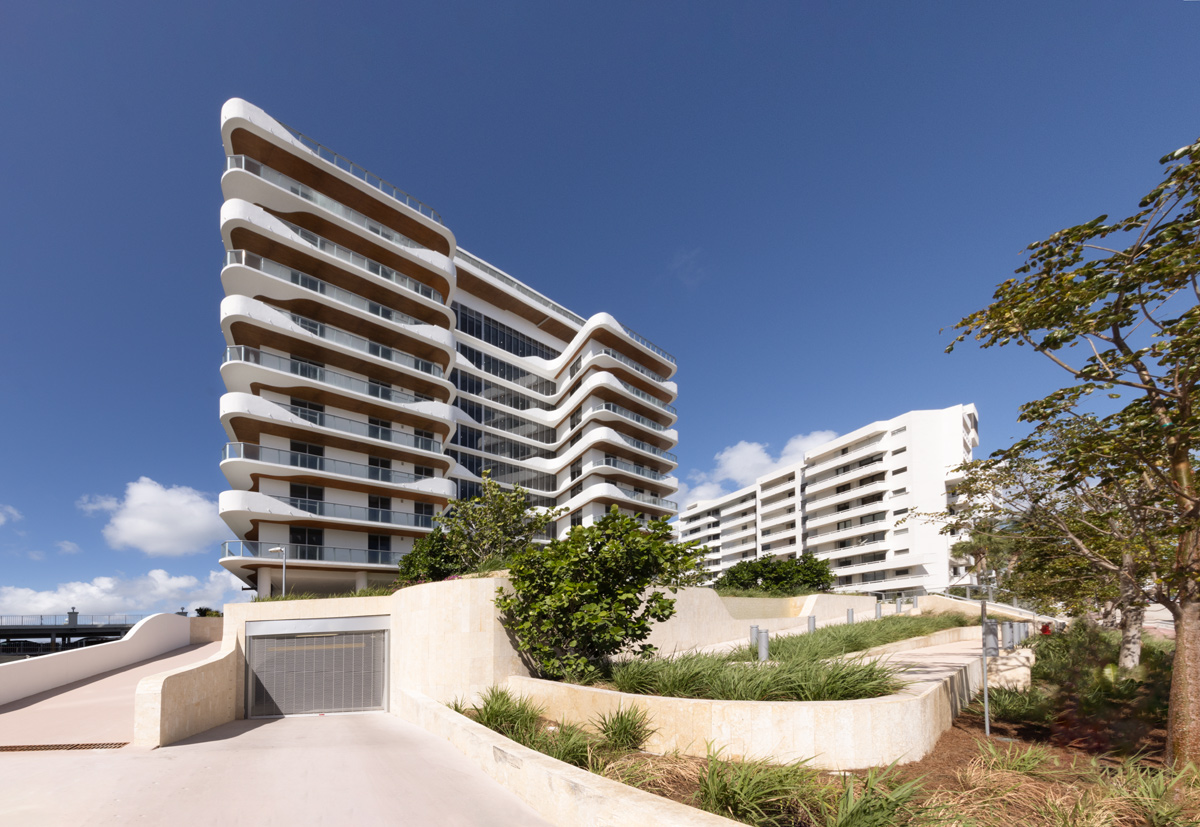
849	615
878	610
753	636
763	644
812	623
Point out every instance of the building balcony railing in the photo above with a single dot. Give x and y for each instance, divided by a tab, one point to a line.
293	459
365	429
358	513
321	200
649	499
625	360
367	177
524	290
648	448
316	373
362	262
630	415
841	459
858	467
279	271
645	397
629	467
362	345
646	343
328	554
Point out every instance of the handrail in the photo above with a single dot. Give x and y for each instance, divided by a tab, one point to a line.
628	414
65	620
645	397
644	342
650	499
524	290
251	355
365	345
307	193
339	511
640	470
647	447
331	554
294	459
346	165
284	273
365	429
642	369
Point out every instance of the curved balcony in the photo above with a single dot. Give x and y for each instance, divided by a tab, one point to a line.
630	363
307	193
645	397
612	407
327	554
868	468
650	346
301	464
649	449
631	468
427	405
260	313
299	422
357	513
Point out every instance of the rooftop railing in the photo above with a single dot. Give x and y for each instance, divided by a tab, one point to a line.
323	201
358	513
316	285
318	373
371	179
646	343
524	290
328	554
294	459
364	429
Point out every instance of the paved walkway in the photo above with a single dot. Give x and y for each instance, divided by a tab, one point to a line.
96	710
370	769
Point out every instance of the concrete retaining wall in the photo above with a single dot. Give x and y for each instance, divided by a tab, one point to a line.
838	735
152	636
561	794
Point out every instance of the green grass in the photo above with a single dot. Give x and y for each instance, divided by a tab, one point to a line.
835	641
764	593
755	792
626	729
1016	706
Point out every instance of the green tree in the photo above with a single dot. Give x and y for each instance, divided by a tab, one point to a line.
779	577
1116	305
490	528
430	560
577	602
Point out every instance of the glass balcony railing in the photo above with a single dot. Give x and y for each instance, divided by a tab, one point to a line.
328	554
319	199
629	467
370	265
318	373
630	415
648	448
367	177
646	343
293	459
341	337
525	291
364	429
358	513
649	499
279	271
625	360
645	397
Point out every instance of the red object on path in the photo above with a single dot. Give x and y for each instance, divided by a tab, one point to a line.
1045	628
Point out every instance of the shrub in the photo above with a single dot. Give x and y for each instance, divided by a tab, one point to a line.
429	560
512	717
780	578
755	792
1016	706
626	729
577	602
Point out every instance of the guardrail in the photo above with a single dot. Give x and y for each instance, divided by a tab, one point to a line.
64	620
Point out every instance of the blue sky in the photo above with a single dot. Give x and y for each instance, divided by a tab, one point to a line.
792	198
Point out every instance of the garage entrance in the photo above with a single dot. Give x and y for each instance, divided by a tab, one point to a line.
316	672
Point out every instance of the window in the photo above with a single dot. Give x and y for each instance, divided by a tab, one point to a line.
422	472
308	411
576	490
487	329
841	489
844	452
900	450
379	429
380	390
304	455
901	572
901	551
871	498
900	430
900	531
843	507
379	509
899	491
379	468
424	514
306	542
308	368
379	542
577	519
900	512
576	469
419	434
900	471
844	524
307	497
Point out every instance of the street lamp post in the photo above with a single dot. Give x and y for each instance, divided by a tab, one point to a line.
283	553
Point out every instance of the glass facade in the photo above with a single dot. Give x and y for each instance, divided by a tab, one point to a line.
486	329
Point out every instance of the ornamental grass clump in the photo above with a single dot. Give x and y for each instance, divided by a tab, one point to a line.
626	729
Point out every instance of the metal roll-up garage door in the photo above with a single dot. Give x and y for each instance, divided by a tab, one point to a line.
317	672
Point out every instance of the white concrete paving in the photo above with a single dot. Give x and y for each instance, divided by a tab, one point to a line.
365	769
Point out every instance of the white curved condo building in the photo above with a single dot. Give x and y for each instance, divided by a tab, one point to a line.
374	371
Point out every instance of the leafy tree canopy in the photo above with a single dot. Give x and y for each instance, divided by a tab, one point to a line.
778	577
577	602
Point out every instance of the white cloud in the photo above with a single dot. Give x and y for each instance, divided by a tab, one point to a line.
7	512
67	547
157	520
744	462
36	556
154	591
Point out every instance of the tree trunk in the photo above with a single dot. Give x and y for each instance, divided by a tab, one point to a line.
1133	612
1131	636
1183	715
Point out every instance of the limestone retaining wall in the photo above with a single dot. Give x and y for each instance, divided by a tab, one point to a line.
560	793
171	706
837	735
206	629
